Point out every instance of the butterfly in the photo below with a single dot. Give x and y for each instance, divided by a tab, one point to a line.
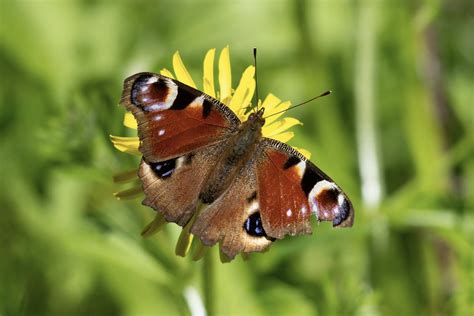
202	164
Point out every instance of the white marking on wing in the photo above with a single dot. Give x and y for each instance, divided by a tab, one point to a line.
197	102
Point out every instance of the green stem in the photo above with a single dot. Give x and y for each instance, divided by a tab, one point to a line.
208	283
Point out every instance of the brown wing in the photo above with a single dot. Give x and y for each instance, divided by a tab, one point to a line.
233	219
173	118
291	188
172	186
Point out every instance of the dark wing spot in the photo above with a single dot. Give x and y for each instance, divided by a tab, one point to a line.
310	178
145	94
183	99
189	158
253	226
206	108
344	211
163	169
293	160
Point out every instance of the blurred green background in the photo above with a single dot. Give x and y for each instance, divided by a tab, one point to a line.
397	135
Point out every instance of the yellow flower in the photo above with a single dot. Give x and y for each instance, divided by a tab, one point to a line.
238	100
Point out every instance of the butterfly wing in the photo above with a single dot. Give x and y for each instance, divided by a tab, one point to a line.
291	188
273	196
181	131
233	219
173	118
172	186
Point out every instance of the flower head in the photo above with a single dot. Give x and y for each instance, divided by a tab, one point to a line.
239	100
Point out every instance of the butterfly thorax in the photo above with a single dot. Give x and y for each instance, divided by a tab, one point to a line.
238	151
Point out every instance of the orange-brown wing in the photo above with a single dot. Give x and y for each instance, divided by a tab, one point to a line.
233	219
291	188
173	118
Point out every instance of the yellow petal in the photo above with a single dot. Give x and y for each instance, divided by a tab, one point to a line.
244	92
129	194
283	137
274	109
304	152
208	74
128	145
165	72
225	76
126	176
181	72
129	120
279	126
270	102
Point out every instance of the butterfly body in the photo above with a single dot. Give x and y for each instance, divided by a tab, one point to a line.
250	189
239	149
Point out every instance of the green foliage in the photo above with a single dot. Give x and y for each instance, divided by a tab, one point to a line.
402	76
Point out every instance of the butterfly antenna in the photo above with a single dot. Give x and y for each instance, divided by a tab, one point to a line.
302	103
256	84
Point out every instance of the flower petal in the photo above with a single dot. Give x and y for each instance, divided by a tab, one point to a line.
155	226
129	194
130	121
272	105
126	176
283	137
225	76
181	72
165	72
304	152
128	145
208	73
244	92
279	126
270	102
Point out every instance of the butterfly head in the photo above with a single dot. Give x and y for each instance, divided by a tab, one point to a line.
256	120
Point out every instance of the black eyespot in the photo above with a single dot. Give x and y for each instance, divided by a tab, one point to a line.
253	225
344	211
163	169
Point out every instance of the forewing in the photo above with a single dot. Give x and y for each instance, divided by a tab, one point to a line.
174	119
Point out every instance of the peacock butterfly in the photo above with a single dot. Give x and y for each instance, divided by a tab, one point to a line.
198	156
